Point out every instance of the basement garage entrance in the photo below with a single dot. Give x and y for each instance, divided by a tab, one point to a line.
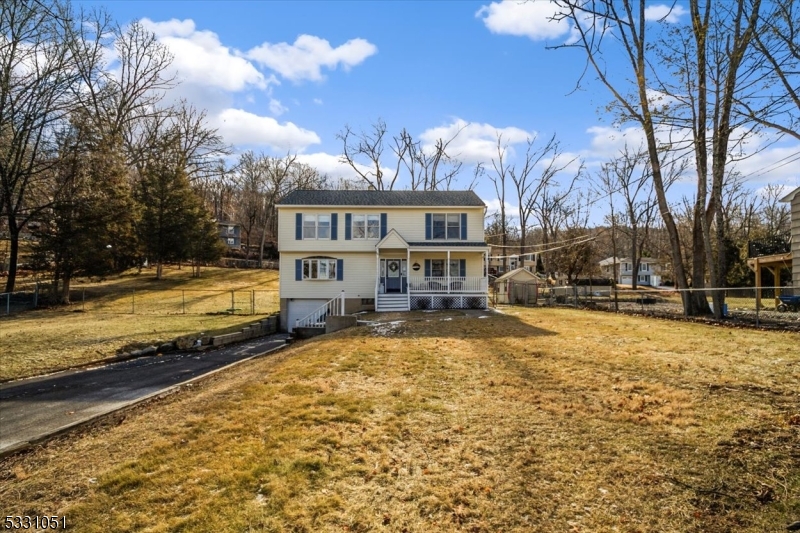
301	309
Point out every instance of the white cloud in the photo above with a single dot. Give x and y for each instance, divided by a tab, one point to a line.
332	166
200	58
244	128
759	159
318	101
493	206
276	107
669	14
474	142
304	59
523	19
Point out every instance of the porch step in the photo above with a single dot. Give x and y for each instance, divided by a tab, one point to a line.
392	302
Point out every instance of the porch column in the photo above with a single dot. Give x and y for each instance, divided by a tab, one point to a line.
758	283
408	278
447	269
377	274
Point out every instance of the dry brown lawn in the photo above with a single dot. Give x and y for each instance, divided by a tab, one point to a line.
46	340
546	420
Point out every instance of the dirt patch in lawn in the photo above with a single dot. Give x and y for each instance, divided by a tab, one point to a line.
535	420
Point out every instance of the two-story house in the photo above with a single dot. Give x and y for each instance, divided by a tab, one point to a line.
387	250
231	234
649	272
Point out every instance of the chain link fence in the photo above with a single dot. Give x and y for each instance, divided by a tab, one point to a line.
24	298
151	302
778	306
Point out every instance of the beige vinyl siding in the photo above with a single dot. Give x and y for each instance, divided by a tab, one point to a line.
359	277
474	261
408	222
796	239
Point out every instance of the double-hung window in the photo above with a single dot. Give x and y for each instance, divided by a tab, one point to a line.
447	226
438	268
316	226
366	226
324	269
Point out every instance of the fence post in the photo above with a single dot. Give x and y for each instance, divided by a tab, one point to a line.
183	301
233	304
341	311
758	300
252	302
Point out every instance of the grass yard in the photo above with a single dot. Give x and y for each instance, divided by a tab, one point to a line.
46	340
545	420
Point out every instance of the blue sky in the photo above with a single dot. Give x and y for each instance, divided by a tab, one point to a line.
287	76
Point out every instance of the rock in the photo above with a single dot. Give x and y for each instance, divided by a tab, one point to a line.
150	350
166	347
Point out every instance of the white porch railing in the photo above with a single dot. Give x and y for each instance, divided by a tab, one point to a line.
448	285
316	319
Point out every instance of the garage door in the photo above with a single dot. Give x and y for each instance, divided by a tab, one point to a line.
301	309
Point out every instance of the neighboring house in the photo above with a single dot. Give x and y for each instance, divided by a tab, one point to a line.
387	250
507	286
231	234
793	198
649	271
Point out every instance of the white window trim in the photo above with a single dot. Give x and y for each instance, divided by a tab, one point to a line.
316	236
330	265
446	238
366	236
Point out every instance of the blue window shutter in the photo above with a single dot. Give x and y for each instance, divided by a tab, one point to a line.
462	267
334	225
298	227
427	268
348	222
340	270
428	226
463	227
298	270
383	225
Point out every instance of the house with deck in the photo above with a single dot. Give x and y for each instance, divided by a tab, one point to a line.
342	252
793	199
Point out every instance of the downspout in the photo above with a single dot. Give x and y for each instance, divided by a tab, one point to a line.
377	274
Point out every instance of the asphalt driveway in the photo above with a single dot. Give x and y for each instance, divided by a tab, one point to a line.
35	408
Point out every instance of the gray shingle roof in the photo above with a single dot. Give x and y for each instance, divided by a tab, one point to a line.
385	198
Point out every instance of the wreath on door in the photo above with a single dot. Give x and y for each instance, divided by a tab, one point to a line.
393	266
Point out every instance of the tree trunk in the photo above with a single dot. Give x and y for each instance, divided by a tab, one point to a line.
634	258
13	253
159	270
63	298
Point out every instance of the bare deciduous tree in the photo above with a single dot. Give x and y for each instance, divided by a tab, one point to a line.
429	168
703	68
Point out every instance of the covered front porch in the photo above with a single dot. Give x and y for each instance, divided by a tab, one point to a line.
430	275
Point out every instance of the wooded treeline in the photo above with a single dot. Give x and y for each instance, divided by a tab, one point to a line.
93	161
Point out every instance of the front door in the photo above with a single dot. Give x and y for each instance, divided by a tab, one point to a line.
394	275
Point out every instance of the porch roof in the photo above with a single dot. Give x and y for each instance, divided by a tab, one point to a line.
443	246
448	244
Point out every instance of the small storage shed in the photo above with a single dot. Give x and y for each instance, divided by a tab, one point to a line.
506	287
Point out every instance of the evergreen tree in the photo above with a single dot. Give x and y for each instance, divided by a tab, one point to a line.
88	230
174	226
